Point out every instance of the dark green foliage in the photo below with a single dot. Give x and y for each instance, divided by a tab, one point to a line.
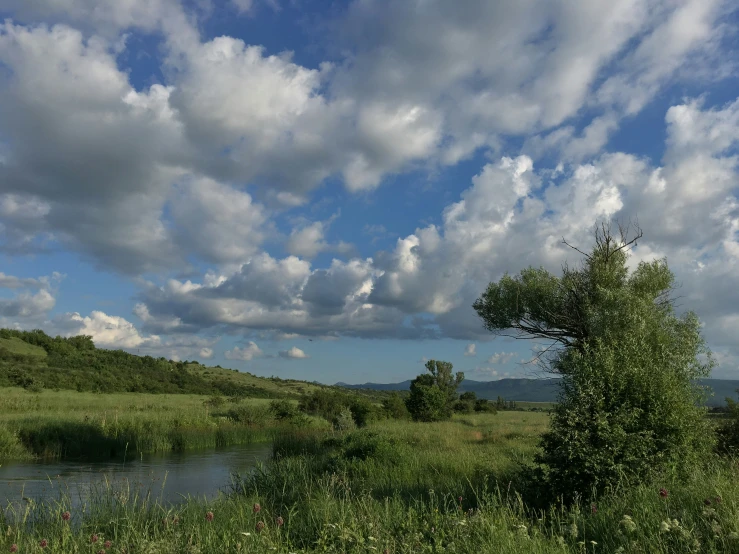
363	411
433	394
427	402
628	405
728	432
394	407
324	403
74	363
468	396
462	407
482	405
283	409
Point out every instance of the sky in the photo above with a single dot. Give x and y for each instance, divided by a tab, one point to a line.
320	190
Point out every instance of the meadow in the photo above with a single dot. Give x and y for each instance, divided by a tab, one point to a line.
396	487
83	425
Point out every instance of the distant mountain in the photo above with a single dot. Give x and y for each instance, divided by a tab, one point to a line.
541	390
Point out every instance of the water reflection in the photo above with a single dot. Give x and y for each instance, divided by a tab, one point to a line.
170	477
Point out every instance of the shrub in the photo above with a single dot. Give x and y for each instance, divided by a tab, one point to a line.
250	414
393	407
728	433
433	394
482	405
283	409
462	407
344	420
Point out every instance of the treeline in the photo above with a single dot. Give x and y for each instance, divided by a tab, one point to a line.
74	363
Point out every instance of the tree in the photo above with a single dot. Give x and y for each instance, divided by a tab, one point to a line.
468	396
433	394
628	405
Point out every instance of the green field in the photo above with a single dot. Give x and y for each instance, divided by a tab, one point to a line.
395	487
71	425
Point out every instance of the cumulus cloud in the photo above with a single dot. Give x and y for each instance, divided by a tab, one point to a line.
510	217
293	353
470	350
249	352
500	358
206	353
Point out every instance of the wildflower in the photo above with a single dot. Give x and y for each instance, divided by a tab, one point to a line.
94	539
663	493
43	543
260	526
717	500
66	516
664	527
593	508
279	521
460	499
14	548
101	551
386	551
628	524
257	508
573	530
707	502
209	516
175	520
108	544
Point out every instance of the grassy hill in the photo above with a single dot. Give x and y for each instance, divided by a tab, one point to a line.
35	361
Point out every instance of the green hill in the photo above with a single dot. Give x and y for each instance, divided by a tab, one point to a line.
34	360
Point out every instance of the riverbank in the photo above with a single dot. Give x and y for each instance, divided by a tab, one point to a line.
78	425
395	487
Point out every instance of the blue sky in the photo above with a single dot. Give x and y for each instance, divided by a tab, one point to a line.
320	190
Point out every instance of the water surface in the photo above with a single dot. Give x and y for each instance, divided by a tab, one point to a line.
169	477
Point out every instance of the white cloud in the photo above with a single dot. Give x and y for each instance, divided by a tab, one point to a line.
470	350
293	353
249	352
500	358
206	353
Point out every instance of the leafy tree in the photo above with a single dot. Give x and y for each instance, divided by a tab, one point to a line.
627	404
468	396
433	394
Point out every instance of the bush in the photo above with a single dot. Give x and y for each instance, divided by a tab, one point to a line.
462	407
324	403
482	405
247	414
283	409
727	434
363	411
433	394
344	421
394	407
427	402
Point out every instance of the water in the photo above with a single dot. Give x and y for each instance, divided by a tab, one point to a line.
170	477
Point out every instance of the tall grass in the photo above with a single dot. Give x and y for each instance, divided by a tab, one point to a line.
396	487
74	425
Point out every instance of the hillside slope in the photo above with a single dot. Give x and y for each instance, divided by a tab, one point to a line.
34	360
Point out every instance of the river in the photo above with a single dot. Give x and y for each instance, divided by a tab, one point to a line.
169	477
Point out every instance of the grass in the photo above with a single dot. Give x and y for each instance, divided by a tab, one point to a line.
395	487
18	346
73	425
